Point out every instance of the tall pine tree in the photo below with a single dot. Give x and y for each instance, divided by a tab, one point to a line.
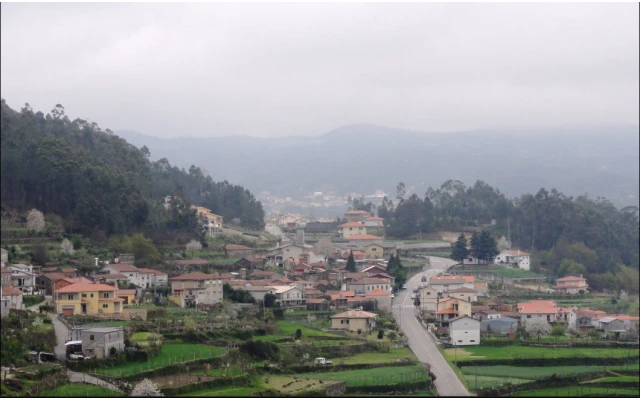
351	263
459	251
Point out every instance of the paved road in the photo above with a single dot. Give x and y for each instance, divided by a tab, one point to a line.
420	341
429	245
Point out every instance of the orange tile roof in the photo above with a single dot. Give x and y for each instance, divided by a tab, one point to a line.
620	317
570	279
335	296
374	219
447	311
351	225
378	292
360	299
86	287
348	293
122	267
364	237
11	291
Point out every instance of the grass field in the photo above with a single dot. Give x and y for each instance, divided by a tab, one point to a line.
512	352
110	323
359	377
225	391
377	358
171	353
80	390
577	391
143	339
507	371
485	382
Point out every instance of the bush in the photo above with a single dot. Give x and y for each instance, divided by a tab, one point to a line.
261	350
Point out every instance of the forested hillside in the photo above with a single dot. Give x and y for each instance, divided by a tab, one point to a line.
97	182
568	235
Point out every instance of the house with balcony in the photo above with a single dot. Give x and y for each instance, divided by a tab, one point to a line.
132	273
571	285
366	285
541	310
514	257
352	229
87	299
450	308
23	278
356	215
14	297
196	287
288	296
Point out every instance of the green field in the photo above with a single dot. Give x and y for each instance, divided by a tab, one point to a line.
577	391
507	371
486	382
171	353
225	391
377	358
615	379
143	339
364	377
80	390
513	352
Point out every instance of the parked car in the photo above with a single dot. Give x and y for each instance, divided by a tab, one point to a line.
413	296
404	287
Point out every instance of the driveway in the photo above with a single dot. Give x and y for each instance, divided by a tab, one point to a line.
62	335
420	341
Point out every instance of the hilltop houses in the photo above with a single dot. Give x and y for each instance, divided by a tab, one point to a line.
515	257
571	285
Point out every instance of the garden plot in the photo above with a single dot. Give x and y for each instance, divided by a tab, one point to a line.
374	376
578	391
530	373
392	355
524	352
80	390
289	385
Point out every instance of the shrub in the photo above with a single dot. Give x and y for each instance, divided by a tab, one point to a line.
380	334
261	350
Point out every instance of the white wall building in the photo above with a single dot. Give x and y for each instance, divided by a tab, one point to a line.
516	257
464	331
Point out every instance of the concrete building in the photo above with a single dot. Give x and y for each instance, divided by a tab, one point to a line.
356	215
132	273
428	299
5	306
87	298
571	285
374	222
289	295
463	293
542	310
352	229
14	297
354	320
99	341
4	257
5	274
464	331
515	257
196	287
449	308
365	285
382	298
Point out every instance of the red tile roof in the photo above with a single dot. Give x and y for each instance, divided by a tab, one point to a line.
11	291
348	293
447	311
378	292
109	276
122	267
570	279
363	237
351	225
152	271
374	219
86	287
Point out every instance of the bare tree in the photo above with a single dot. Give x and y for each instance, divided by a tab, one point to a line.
311	318
503	244
193	245
35	220
146	388
67	247
538	328
324	247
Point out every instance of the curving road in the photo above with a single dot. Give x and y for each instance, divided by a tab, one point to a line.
420	341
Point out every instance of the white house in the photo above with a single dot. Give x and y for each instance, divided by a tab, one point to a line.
13	296
278	255
464	331
23	278
538	310
428	296
366	285
288	295
517	257
462	293
132	273
373	221
211	293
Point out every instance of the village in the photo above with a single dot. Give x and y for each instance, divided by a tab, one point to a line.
321	311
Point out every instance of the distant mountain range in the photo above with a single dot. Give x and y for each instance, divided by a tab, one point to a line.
600	161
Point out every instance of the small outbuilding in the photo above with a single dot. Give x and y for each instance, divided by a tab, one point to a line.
98	342
464	331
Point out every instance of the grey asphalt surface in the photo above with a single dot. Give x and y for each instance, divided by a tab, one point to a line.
420	341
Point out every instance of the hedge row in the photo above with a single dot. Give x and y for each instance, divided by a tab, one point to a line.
396	387
333	368
172	369
548	362
113	361
544	383
242	380
613	345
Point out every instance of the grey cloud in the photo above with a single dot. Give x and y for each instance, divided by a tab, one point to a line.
301	69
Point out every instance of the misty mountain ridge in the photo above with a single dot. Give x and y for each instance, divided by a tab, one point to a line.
598	160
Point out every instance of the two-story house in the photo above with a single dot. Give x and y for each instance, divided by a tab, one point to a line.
87	299
541	310
196	287
356	215
571	285
132	273
449	308
289	295
352	229
366	285
23	278
516	257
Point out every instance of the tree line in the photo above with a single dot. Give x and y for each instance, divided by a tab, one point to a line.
567	235
101	185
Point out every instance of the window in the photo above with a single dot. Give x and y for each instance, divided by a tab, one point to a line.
91	295
92	337
105	306
70	297
84	295
548	318
130	274
472	341
459	341
105	295
529	316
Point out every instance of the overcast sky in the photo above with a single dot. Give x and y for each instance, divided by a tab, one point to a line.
304	69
